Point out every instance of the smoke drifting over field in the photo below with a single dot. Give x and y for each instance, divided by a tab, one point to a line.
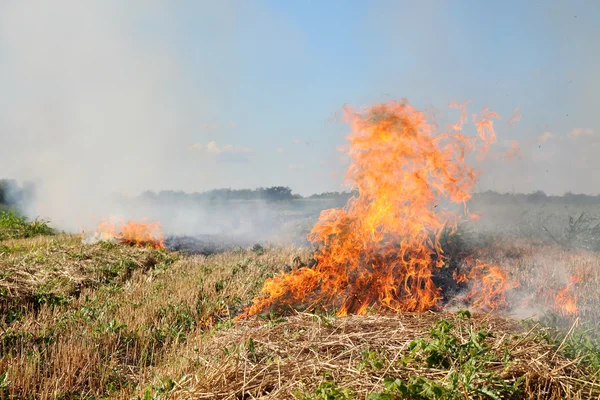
94	110
96	104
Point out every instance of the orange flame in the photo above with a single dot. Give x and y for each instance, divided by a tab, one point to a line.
380	249
140	234
489	285
565	302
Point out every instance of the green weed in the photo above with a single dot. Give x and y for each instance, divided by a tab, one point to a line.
14	226
467	363
327	390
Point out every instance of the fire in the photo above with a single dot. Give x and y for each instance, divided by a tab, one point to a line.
489	285
381	249
133	233
565	302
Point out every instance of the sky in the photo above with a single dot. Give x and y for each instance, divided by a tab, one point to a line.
106	96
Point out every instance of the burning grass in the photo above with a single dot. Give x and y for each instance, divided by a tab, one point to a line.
119	316
133	233
382	248
166	329
55	269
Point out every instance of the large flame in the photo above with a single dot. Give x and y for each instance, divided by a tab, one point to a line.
133	233
380	249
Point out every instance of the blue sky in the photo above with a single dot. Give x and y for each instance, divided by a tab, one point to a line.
241	93
296	63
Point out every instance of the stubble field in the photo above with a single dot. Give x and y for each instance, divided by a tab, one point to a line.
106	320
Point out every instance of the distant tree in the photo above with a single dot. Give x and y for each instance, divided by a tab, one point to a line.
278	193
537	197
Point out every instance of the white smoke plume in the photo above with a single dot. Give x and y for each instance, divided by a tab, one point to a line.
94	110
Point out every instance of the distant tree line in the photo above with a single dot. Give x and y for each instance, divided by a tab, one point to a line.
538	197
13	194
284	193
269	194
334	195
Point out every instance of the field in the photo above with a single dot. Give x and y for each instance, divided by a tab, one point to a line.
106	320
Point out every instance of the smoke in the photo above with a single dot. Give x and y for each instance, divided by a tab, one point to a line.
97	103
93	108
96	108
101	104
13	194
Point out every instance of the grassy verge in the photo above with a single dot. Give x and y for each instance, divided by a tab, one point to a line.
374	357
14	226
91	321
112	321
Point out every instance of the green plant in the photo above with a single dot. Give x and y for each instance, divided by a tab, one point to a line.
416	388
4	384
49	298
14	226
327	390
466	360
581	343
372	359
272	318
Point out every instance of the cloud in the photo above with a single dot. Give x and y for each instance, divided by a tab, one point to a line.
279	150
543	138
580	132
213	147
296	166
296	141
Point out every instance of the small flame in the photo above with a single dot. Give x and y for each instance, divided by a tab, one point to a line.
489	285
460	277
565	302
132	233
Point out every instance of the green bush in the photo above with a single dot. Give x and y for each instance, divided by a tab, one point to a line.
14	226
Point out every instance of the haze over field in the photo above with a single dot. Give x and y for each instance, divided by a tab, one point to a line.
103	98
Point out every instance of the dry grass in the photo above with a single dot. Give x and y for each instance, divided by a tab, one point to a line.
98	321
285	359
56	269
103	334
542	269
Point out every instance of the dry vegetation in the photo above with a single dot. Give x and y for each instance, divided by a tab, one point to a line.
112	321
429	355
86	321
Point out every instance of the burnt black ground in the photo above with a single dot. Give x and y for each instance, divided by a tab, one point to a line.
206	244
